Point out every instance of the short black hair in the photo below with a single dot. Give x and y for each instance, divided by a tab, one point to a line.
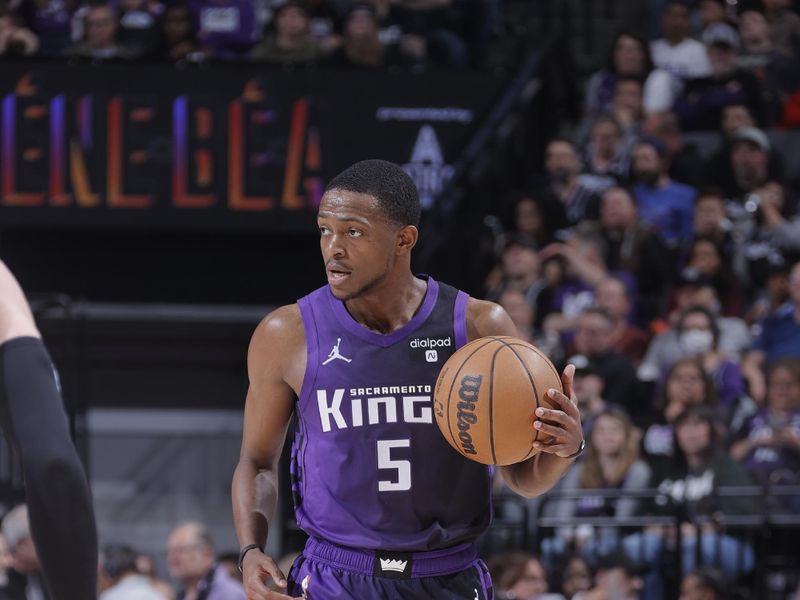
387	183
118	560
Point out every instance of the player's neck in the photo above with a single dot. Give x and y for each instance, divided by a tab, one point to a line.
390	305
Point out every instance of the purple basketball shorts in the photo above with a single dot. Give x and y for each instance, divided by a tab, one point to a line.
328	572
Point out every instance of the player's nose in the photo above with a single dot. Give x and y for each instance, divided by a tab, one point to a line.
334	248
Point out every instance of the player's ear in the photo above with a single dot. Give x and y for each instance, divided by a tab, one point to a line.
407	237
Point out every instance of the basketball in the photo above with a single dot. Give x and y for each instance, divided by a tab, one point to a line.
486	396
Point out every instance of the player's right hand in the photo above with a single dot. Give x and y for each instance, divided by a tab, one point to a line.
257	570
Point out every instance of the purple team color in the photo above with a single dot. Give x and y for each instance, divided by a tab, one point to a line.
370	469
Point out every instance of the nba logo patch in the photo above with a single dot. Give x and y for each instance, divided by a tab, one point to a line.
431	355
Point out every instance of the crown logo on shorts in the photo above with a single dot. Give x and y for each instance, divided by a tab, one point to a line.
389	564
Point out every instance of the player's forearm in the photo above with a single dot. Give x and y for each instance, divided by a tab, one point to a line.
254	494
536	475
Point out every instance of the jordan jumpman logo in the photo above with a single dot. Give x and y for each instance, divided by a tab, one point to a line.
335	354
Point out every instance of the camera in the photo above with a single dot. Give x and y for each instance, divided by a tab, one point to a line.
753	203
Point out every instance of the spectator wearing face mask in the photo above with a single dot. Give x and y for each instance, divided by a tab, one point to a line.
698	336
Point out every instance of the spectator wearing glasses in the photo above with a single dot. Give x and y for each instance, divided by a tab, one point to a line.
191	561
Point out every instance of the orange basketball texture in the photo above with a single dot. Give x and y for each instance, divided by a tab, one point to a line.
486	396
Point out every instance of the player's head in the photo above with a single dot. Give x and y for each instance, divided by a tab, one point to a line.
368	221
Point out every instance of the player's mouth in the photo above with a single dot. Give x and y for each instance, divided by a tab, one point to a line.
337	275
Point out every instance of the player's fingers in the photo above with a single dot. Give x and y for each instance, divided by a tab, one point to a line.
274	571
566	379
548	414
549	448
553	430
566	404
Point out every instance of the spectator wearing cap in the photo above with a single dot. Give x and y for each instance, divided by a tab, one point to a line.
779	337
118	567
578	194
702	99
292	40
676	52
663	203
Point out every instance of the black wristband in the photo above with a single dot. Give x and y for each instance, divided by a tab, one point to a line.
578	452
244	551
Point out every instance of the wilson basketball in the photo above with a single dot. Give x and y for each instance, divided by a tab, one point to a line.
486	397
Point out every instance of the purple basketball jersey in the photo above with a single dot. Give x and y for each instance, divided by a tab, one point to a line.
370	468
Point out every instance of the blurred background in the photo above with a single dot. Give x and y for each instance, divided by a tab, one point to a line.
621	175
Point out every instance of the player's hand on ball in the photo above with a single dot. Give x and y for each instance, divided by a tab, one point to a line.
257	570
562	425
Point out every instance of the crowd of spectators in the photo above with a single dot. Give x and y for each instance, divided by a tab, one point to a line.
195	570
670	277
345	33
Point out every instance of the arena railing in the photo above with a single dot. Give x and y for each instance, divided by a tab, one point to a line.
767	561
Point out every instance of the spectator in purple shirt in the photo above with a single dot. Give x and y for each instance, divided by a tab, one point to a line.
51	21
227	29
769	444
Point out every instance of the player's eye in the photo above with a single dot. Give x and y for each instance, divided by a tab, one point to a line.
323	230
352	232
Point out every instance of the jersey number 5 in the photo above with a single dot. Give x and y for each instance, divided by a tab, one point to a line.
402	480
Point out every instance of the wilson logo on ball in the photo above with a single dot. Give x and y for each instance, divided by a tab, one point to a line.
466	417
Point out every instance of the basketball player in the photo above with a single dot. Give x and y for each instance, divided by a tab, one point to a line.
33	421
391	509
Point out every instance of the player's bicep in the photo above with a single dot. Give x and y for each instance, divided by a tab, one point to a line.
487	318
270	399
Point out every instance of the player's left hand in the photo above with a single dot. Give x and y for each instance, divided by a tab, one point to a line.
562	425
